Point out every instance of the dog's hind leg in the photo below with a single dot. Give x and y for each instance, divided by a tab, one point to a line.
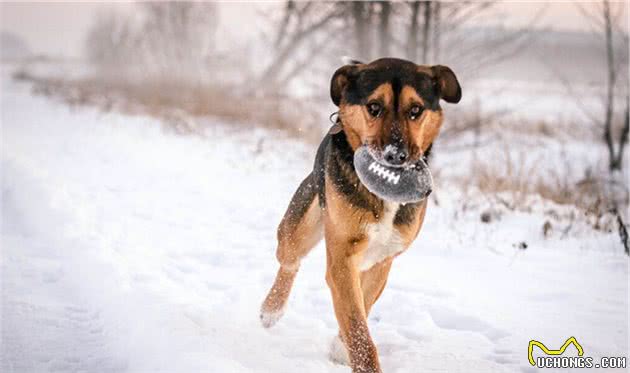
300	230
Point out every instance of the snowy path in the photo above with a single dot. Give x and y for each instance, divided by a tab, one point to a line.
127	248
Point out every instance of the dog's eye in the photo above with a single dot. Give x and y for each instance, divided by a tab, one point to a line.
415	112
374	108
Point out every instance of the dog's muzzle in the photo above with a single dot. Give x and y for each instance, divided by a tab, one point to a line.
404	183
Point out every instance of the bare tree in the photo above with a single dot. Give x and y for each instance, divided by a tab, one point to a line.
171	41
108	42
437	13
426	30
604	21
384	29
303	24
368	30
360	16
179	38
433	23
412	38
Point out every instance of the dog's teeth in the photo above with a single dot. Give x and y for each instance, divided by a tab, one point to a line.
384	173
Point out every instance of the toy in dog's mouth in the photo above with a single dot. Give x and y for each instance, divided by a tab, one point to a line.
405	184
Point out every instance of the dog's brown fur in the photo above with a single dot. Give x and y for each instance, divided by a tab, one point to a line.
363	233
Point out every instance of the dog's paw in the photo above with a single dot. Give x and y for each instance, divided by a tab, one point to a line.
270	318
338	353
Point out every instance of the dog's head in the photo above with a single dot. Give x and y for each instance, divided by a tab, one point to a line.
393	106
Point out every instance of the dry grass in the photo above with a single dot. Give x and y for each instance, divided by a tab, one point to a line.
514	179
510	183
513	182
178	104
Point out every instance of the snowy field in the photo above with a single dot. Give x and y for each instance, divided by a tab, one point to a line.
127	248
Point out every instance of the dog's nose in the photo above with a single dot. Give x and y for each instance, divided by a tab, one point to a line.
395	156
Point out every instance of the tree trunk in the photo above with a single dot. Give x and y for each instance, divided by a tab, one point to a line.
425	32
360	29
412	38
384	29
610	95
435	43
623	140
282	30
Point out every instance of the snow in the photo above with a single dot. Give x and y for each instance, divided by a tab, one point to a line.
126	247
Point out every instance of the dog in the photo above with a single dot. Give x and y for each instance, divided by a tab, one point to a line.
391	107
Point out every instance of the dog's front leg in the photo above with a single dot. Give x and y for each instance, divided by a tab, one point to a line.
343	278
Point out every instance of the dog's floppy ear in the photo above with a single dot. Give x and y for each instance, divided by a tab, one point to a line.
340	80
449	87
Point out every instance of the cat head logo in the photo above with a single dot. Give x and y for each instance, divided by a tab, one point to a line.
560	351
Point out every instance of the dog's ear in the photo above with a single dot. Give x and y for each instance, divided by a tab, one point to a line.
340	80
447	82
347	60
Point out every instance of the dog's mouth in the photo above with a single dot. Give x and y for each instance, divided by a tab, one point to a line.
410	182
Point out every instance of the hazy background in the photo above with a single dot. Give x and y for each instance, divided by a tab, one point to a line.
149	151
59	28
554	74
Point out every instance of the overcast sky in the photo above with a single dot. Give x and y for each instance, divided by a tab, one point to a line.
60	28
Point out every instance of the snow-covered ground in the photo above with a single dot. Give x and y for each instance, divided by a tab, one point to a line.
129	248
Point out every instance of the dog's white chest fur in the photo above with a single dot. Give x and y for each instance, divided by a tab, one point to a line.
383	239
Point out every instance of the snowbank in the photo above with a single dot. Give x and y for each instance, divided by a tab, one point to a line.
125	248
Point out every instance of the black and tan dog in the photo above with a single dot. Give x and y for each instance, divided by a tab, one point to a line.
392	106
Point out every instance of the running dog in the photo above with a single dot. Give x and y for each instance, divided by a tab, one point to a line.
389	112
